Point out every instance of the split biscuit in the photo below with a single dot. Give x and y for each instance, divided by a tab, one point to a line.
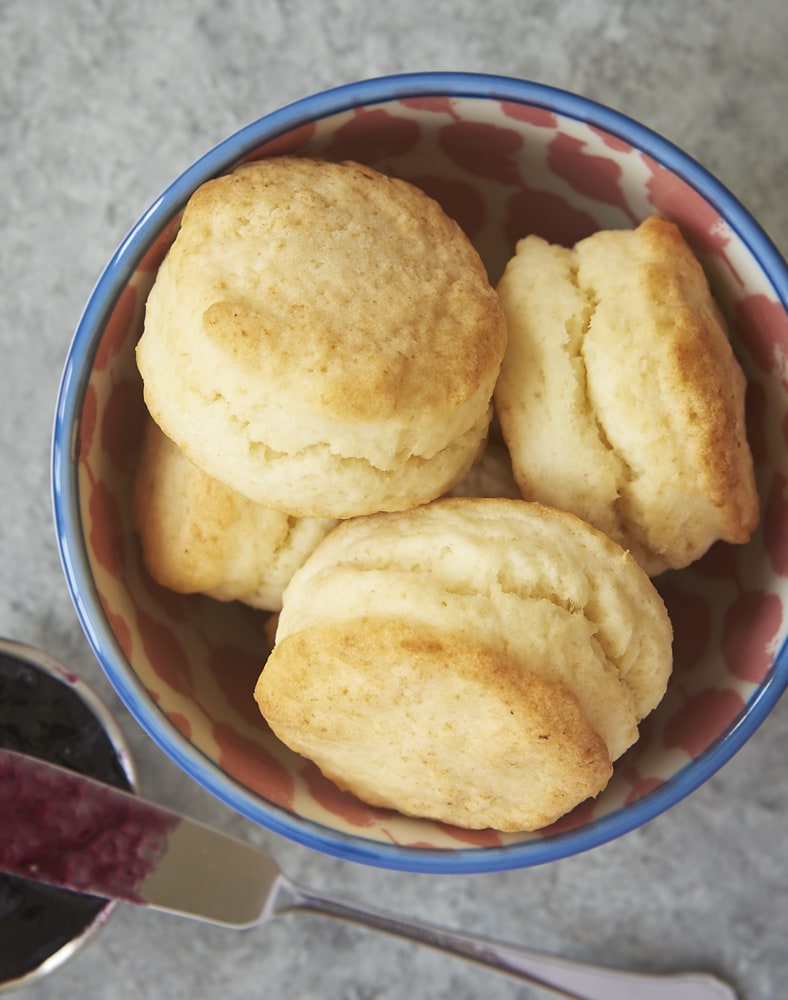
198	536
481	662
322	339
620	398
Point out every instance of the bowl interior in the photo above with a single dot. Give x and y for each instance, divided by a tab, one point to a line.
186	666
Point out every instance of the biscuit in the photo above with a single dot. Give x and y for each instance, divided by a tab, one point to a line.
620	398
198	536
492	645
323	339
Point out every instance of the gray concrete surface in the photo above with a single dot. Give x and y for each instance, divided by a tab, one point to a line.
102	104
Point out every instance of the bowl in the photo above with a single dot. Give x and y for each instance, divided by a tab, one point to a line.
505	157
48	712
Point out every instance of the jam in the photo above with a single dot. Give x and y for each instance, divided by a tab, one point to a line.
44	715
76	833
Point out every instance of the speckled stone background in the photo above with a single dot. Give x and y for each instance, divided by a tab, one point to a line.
102	104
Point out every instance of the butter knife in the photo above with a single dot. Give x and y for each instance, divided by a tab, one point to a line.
67	830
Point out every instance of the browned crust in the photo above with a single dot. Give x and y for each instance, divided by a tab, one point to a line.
699	366
432	724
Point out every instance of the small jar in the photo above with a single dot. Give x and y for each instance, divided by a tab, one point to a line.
48	712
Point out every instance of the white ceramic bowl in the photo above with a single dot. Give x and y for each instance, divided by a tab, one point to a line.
505	157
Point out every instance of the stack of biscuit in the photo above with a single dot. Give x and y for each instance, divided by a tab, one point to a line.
478	661
467	634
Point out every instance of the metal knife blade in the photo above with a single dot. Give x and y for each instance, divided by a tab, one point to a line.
65	829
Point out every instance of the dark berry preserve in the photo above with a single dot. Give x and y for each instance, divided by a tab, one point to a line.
51	714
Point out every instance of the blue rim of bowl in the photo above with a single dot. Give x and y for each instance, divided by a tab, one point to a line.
221	158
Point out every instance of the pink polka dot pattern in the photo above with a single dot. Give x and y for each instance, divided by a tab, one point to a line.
502	170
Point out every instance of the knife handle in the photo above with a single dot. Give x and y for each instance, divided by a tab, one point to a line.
570	978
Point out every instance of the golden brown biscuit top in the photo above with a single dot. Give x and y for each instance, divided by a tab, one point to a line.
353	289
433	724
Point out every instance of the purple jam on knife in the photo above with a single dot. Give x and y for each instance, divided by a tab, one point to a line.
46	717
81	834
